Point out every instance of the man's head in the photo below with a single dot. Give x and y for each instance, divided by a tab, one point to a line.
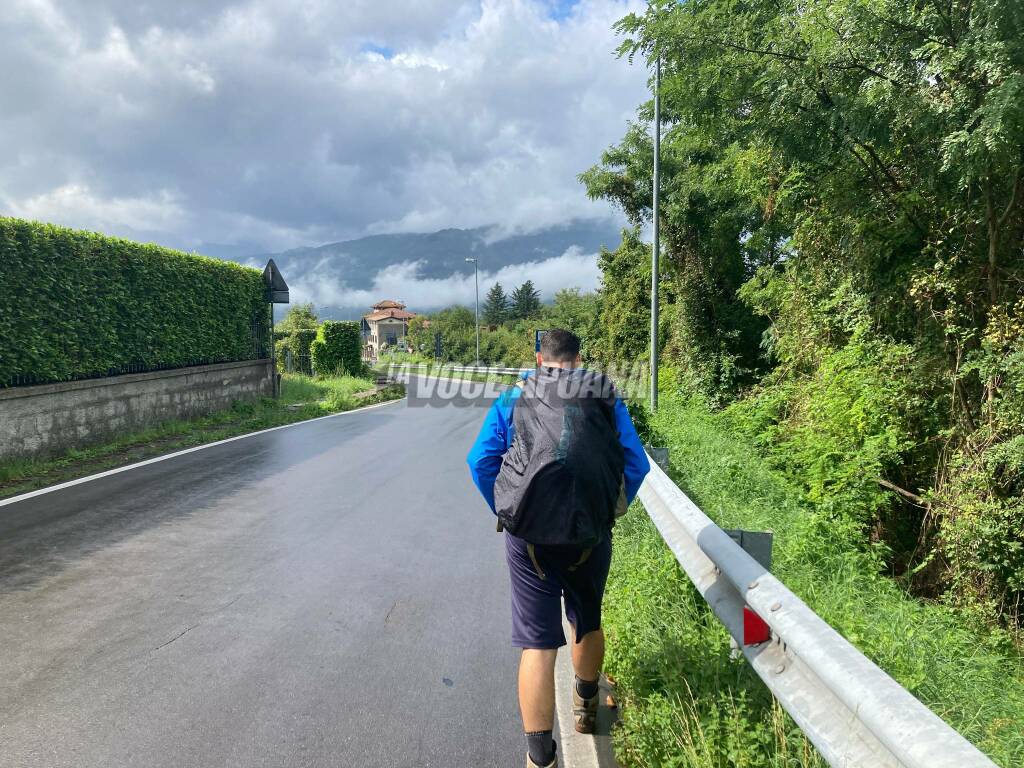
559	349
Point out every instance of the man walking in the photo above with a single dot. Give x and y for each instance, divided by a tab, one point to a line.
557	460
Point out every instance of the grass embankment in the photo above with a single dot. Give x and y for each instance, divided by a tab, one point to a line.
301	398
686	703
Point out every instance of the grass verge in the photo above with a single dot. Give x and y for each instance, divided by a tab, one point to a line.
687	703
302	398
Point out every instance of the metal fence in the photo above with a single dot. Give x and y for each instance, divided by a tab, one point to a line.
259	334
853	712
297	363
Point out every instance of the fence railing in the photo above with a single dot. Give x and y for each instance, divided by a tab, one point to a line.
297	363
853	712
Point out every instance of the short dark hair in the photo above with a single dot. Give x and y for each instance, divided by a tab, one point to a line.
559	346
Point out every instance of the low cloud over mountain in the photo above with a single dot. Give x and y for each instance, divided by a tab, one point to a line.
429	271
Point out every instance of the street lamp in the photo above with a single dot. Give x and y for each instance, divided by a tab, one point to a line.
656	247
476	279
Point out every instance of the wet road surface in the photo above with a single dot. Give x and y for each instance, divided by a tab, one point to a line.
329	594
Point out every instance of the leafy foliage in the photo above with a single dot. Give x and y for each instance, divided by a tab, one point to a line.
299	317
336	350
298	343
456	326
78	304
511	342
625	316
688	703
577	312
844	260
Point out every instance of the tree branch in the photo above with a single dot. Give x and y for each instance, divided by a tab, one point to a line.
1014	197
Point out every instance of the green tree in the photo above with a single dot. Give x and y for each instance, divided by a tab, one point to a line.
496	306
456	326
525	301
299	316
843	229
577	312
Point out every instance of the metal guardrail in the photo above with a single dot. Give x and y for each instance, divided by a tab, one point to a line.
853	712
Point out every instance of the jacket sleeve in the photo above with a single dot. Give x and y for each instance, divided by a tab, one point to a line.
637	464
485	456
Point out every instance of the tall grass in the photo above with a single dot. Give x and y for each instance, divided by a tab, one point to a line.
687	703
335	393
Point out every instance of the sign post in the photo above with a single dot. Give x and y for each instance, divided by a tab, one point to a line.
276	293
537	336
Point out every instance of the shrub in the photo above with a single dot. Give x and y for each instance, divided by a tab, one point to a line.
298	343
78	305
336	349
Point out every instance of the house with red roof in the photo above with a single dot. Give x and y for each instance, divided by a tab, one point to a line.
387	324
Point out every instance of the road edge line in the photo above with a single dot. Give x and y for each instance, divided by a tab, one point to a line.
165	457
577	750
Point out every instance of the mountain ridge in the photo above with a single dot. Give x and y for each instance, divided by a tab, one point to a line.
361	264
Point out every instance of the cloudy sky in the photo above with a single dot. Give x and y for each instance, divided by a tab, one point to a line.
270	124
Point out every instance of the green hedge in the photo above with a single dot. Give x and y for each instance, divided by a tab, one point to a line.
336	349
78	305
299	343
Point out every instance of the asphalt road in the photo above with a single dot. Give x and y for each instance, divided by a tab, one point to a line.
329	594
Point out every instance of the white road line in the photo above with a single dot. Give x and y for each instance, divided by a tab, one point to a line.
577	750
154	460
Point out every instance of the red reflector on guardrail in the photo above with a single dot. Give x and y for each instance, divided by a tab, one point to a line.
754	628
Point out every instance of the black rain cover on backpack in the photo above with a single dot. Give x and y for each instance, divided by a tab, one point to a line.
560	479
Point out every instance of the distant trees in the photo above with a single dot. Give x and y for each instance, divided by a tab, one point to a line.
496	306
299	317
511	341
456	326
578	312
525	301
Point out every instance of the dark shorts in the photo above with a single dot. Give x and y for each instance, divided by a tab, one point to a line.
537	603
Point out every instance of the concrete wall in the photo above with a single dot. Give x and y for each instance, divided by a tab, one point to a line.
52	418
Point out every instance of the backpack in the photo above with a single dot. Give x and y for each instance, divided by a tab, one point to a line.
560	482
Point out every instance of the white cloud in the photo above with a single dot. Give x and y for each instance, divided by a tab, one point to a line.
572	269
269	122
76	205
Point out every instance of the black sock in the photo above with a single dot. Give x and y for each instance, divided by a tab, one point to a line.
587	689
541	747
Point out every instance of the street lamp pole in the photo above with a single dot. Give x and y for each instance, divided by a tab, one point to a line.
655	250
476	280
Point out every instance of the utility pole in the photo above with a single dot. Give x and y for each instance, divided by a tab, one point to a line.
476	280
655	250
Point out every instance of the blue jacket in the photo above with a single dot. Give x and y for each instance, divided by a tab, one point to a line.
496	437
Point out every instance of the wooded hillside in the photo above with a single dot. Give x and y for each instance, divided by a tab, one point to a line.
843	186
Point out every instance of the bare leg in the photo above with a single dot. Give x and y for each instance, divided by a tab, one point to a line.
537	689
588	655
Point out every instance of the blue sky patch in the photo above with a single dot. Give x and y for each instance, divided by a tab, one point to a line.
561	9
383	50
